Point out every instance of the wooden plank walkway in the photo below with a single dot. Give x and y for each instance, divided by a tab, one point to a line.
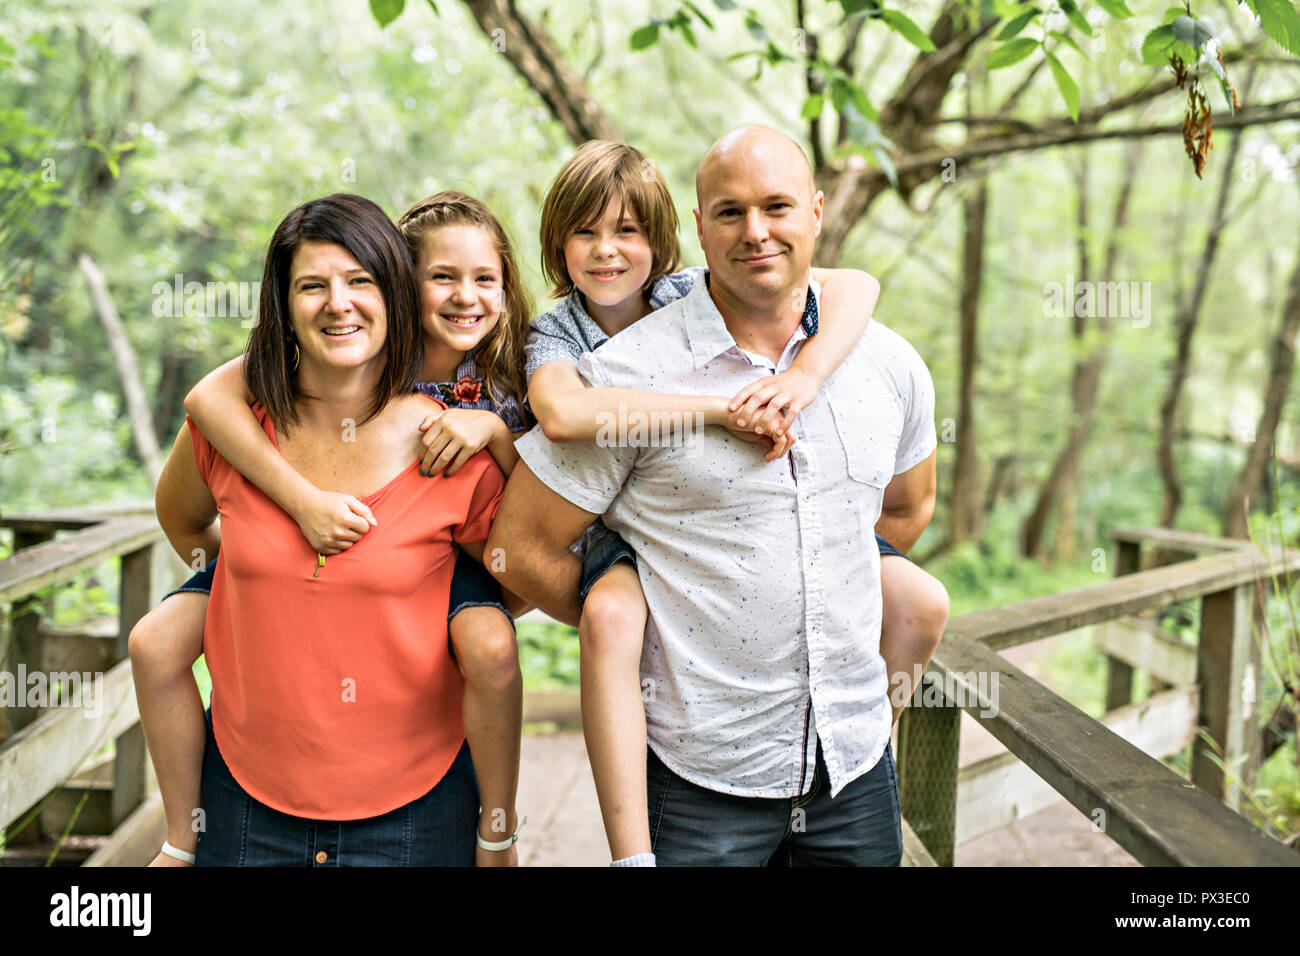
558	796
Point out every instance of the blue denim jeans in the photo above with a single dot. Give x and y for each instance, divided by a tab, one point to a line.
693	826
436	829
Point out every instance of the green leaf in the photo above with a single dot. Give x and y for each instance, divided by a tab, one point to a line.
1013	27
1173	13
386	11
1065	83
646	36
1069	41
1195	33
755	26
1013	51
725	5
910	31
1116	8
1157	44
813	106
1279	20
1076	17
434	7
839	97
862	103
886	164
699	13
855	7
689	35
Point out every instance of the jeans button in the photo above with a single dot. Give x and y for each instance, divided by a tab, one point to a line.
322	856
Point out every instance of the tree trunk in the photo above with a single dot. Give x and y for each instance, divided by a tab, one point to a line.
1235	508
967	514
1087	371
128	370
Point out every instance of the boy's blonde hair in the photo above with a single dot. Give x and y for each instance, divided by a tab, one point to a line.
501	353
599	173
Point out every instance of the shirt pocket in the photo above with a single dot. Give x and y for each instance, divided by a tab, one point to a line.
869	444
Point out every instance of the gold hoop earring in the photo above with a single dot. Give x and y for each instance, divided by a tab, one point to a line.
297	356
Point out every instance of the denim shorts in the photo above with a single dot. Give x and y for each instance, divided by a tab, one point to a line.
437	829
887	548
694	826
471	586
604	549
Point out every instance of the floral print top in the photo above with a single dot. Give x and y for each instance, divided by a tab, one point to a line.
471	391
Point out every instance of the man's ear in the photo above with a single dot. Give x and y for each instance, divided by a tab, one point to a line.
699	225
817	203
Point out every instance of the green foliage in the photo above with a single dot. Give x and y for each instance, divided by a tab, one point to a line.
1278	18
548	654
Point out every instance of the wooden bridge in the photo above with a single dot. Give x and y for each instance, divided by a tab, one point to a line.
76	787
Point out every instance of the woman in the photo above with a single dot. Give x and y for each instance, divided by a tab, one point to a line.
335	734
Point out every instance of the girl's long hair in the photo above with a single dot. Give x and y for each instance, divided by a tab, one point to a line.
500	355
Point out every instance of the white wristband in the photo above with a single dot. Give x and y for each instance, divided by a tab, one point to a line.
501	844
182	855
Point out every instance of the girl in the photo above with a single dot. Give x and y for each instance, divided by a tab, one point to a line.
474	310
609	246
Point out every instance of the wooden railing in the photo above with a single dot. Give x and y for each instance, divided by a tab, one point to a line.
51	780
49	774
1055	750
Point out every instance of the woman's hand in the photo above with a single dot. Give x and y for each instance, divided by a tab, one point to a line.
770	404
333	522
453	435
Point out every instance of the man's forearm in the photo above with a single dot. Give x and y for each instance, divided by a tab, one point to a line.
902	529
547	578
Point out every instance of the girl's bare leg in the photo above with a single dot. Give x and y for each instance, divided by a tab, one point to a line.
488	656
164	646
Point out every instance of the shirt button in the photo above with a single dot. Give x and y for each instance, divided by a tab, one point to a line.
322	856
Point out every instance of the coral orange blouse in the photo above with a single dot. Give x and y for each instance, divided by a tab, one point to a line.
334	695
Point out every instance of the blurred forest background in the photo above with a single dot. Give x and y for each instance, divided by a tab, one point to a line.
981	159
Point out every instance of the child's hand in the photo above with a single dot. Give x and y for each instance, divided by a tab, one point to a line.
452	436
333	522
777	444
785	395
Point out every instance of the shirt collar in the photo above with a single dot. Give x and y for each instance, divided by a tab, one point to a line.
707	331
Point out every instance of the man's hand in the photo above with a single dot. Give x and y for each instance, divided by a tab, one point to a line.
333	522
453	436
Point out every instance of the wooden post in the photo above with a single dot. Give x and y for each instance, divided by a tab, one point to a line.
927	775
1119	674
129	764
25	641
1227	668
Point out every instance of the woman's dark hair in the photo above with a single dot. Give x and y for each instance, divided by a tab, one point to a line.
364	230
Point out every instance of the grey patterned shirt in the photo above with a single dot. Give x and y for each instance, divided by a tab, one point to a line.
567	332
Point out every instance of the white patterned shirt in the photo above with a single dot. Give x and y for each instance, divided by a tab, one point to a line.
762	578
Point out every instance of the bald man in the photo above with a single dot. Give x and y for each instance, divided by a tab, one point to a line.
767	711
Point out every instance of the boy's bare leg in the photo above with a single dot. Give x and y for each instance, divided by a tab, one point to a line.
164	646
915	610
611	632
488	656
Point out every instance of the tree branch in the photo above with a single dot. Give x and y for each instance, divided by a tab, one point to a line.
535	58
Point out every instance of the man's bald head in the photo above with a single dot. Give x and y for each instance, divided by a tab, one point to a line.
753	144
